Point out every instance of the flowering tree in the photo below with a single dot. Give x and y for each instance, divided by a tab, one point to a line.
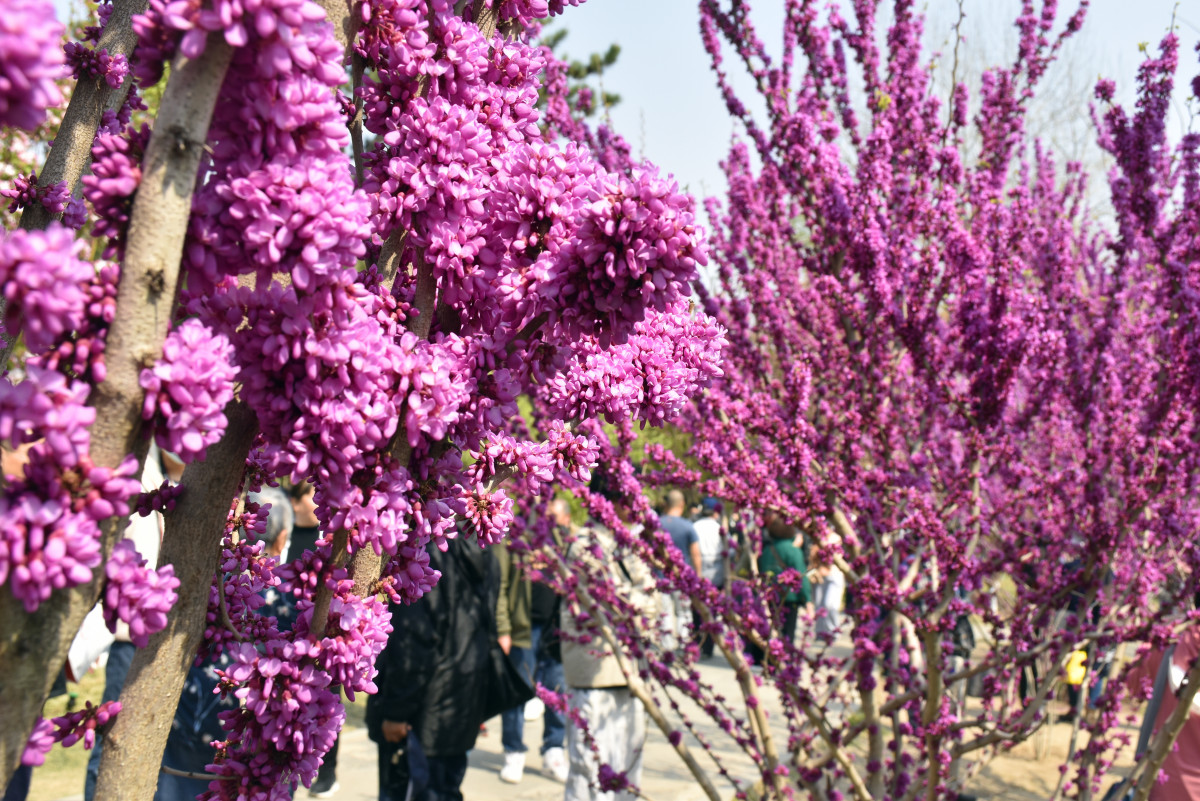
978	404
296	277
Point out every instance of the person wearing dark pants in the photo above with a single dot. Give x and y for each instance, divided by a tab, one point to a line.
539	666
434	672
514	632
120	657
326	783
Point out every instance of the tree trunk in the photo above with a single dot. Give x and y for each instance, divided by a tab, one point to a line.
71	152
72	149
33	647
192	545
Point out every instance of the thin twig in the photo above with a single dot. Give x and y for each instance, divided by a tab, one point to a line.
188	774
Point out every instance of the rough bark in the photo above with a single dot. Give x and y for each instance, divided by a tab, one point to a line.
338	14
72	150
157	228
32	647
192	545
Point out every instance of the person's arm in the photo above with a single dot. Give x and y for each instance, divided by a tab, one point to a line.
503	617
694	553
395	731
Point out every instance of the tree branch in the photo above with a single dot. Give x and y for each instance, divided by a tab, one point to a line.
133	747
1165	739
71	152
32	643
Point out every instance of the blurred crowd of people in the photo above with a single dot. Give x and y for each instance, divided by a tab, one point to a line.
492	630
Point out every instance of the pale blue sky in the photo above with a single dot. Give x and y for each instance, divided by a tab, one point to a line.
671	110
672	113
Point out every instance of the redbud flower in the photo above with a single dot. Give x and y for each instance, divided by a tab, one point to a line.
188	389
136	594
31	60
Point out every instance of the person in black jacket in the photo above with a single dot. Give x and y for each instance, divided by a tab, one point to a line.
433	673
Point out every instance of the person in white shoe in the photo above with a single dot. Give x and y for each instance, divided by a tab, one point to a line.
525	612
545	614
515	633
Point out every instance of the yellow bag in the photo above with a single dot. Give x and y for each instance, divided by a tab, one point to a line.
1076	668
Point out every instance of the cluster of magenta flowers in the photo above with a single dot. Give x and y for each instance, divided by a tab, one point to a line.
56	199
96	63
380	316
136	594
52	512
69	729
115	176
31	62
188	388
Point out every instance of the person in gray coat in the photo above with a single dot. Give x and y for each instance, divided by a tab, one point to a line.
596	676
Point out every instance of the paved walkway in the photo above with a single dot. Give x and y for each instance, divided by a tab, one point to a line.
665	778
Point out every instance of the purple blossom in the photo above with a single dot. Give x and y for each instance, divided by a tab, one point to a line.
26	192
31	61
489	513
137	595
188	388
44	283
637	247
82	724
50	533
526	12
87	62
116	174
161	499
47	406
75	214
349	658
650	377
40	742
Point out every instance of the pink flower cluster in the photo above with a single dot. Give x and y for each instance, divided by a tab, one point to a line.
50	523
40	742
51	513
31	61
561	456
45	284
188	388
82	353
527	12
161	499
56	199
288	720
82	725
651	377
379	521
638	247
169	26
239	588
407	575
137	595
361	627
96	63
490	513
115	176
